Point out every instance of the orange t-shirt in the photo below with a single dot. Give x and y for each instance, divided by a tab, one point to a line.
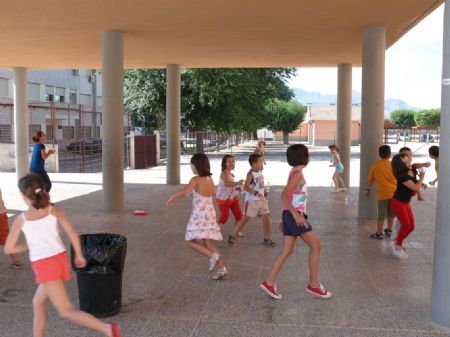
381	173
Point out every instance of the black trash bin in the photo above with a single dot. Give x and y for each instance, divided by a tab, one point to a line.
100	282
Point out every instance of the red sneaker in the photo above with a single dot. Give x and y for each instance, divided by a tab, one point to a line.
115	330
319	291
270	290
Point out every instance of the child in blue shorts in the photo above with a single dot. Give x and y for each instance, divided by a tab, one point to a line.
338	181
295	224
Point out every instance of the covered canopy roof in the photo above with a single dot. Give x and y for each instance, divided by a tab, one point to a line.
50	34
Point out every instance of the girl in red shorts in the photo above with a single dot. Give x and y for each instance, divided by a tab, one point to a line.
226	197
49	259
407	187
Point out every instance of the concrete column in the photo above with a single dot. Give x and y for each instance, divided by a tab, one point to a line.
173	123
372	112
344	117
21	121
440	298
113	140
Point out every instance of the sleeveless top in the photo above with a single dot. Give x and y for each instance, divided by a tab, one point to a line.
37	163
299	195
256	184
225	192
42	236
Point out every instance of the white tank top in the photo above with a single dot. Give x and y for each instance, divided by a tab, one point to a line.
42	236
256	184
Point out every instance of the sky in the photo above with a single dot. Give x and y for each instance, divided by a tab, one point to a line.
413	67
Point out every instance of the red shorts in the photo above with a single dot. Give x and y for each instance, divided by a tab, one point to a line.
225	206
52	268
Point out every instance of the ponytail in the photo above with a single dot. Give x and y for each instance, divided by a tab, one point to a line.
32	187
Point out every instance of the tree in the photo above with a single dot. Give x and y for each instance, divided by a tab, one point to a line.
428	118
145	97
285	116
403	118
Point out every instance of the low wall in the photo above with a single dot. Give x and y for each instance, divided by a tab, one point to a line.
8	157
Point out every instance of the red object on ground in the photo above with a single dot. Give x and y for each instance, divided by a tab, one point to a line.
141	213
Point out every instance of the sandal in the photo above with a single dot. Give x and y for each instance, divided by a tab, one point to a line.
378	236
231	240
388	232
17	265
269	243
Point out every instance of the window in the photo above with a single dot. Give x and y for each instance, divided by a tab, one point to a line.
73	97
85	99
33	91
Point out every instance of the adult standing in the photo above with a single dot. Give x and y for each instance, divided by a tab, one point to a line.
40	154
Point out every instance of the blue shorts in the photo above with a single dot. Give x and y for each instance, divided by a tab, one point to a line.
290	226
339	168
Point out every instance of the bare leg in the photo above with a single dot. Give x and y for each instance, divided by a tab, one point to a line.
288	248
57	294
209	244
340	180
239	226
380	225
200	248
313	242
15	259
40	313
334	178
390	223
266	221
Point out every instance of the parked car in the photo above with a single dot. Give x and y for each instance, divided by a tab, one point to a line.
88	145
423	137
404	135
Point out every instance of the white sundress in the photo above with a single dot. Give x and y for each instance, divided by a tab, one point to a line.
202	223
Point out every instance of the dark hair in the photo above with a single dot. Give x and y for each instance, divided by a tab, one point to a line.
297	154
333	147
399	168
39	134
201	164
434	151
404	149
32	186
254	158
384	151
224	161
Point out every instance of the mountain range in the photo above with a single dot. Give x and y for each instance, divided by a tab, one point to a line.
310	97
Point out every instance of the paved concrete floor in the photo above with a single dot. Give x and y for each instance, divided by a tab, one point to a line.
167	290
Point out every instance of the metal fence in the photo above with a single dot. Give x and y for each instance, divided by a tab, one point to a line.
75	128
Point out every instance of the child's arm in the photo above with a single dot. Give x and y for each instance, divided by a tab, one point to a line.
185	191
285	197
79	260
370	180
415	186
229	182
11	246
420	165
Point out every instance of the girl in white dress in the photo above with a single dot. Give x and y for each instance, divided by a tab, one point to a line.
202	224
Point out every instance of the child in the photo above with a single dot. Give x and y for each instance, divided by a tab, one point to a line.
415	167
407	186
337	175
260	149
4	231
226	196
255	201
295	224
381	173
433	151
202	224
49	259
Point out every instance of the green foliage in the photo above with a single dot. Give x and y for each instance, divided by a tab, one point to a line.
214	99
285	116
403	118
428	118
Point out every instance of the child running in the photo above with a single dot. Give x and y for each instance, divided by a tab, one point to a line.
295	224
255	201
339	169
226	196
49	259
202	224
381	173
433	151
4	231
407	186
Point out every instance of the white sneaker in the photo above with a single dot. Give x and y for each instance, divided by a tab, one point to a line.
220	274
241	235
399	252
213	260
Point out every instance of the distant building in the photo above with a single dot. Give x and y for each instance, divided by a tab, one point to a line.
320	125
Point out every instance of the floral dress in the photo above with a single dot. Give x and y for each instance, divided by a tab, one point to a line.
202	223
